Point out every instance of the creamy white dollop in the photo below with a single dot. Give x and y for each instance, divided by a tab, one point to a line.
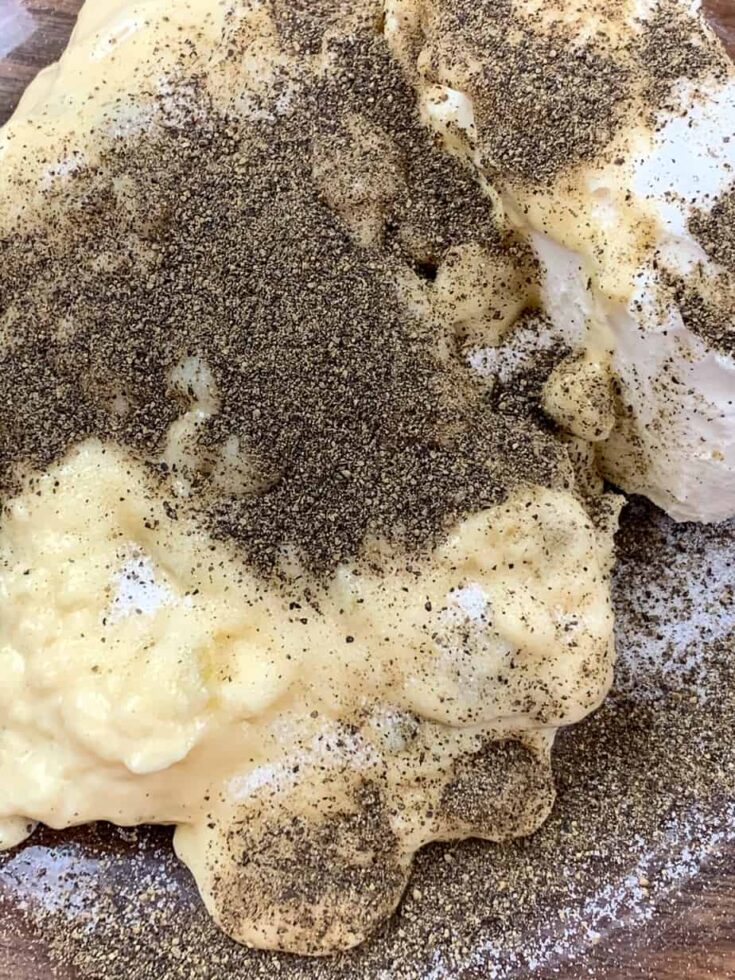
603	232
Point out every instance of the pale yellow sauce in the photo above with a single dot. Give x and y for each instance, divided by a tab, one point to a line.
151	677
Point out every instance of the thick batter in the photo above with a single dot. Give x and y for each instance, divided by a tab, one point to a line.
278	565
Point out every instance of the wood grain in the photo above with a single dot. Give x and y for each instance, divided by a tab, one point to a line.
694	938
49	26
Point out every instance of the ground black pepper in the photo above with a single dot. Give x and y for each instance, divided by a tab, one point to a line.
715	230
210	239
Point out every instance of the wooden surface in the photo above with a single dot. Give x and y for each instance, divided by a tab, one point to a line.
49	26
694	939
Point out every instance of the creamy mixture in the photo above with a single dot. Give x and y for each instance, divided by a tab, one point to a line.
628	281
308	727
